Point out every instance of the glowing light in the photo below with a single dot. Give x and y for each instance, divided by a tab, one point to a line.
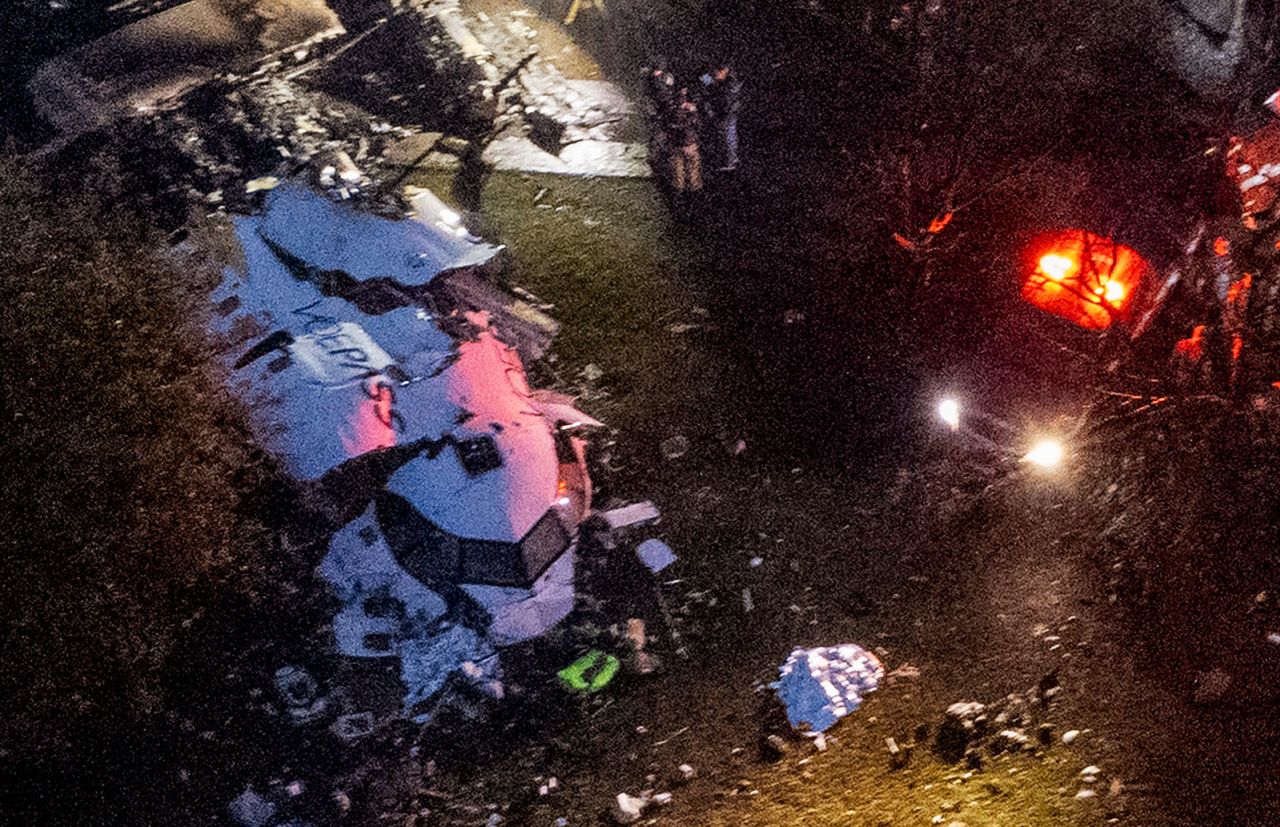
1056	267
1047	453
949	412
1114	292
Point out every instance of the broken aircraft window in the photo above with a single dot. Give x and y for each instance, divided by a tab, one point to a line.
419	545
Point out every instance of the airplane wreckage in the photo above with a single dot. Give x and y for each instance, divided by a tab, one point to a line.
334	334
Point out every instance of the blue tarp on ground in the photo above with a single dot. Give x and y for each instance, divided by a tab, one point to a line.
820	686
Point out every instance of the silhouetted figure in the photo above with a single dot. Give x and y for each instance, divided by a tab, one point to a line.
722	98
685	153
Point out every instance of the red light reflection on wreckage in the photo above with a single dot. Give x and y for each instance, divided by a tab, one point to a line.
1085	278
372	424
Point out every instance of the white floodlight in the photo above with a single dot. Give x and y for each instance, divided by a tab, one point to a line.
1047	453
949	412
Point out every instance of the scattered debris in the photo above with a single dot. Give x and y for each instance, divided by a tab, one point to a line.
965	720
352	727
589	673
266	182
643	660
687	772
630	515
655	554
820	686
898	755
249	809
299	692
906	672
1070	736
627	809
674	447
1009	740
429	661
774	747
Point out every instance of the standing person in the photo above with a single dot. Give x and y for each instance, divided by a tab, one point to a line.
660	86
660	94
722	92
686	155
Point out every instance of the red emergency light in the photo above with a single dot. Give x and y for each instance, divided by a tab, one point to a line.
1085	278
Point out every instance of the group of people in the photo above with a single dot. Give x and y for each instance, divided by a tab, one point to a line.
692	129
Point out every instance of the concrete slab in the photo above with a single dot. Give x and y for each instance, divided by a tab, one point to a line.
601	158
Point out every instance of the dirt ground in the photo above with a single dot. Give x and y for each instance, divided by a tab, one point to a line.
982	606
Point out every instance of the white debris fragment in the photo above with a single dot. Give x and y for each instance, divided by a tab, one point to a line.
906	671
655	554
351	728
266	182
1070	735
629	515
687	772
251	810
628	808
674	447
1083	794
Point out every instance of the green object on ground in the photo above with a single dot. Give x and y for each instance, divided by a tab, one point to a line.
589	673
